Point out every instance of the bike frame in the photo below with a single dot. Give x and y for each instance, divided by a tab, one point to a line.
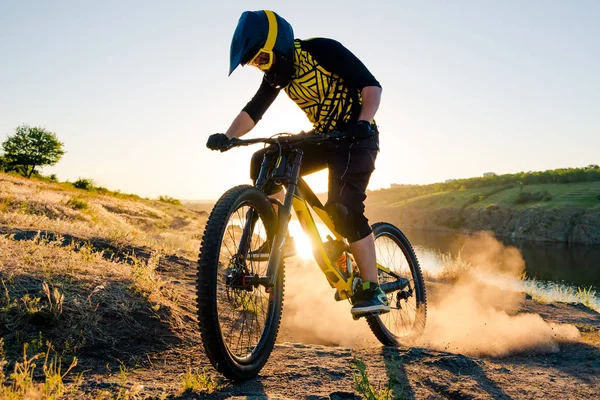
284	169
302	199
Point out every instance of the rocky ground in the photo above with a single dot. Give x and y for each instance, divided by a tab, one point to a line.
314	371
301	367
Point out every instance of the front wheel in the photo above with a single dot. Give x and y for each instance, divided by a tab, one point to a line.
409	304
238	321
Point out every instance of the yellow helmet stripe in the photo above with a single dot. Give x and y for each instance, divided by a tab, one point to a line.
272	36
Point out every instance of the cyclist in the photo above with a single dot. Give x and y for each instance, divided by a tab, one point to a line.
336	91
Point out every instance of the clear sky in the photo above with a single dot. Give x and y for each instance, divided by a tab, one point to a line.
134	88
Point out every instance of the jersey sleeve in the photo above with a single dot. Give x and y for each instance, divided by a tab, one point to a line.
261	101
336	58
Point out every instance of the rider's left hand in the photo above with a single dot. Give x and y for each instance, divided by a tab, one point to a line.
217	141
359	130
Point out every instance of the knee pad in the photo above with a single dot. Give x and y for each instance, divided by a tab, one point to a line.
351	225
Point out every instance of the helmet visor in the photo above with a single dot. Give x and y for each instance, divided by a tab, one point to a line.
262	60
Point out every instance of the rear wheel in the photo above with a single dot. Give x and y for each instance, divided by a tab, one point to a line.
408	305
238	321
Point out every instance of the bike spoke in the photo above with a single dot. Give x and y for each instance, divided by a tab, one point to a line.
400	320
242	313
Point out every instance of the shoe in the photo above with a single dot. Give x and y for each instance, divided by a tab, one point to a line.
370	300
264	251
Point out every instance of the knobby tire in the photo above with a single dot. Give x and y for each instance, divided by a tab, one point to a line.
380	325
218	351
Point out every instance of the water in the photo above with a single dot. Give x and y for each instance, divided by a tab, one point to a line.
574	265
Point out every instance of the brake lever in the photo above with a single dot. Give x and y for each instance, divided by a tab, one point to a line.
233	142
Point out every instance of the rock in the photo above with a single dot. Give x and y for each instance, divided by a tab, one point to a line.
587	228
534	223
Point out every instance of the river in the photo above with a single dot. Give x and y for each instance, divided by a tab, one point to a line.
569	264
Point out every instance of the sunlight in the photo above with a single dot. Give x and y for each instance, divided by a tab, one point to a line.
317	181
302	243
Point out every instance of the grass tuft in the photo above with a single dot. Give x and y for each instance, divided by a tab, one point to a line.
549	292
20	384
77	204
85	184
363	385
587	296
169	200
40	310
195	381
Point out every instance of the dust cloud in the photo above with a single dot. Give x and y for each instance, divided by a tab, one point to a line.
478	320
311	315
468	314
474	316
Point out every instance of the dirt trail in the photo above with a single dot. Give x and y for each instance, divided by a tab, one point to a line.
316	366
315	371
304	371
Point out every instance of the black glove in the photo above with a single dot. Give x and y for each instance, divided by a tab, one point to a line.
217	141
359	130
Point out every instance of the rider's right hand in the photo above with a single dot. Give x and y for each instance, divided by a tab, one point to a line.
217	141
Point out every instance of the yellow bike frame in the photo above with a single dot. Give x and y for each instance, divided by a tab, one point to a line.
338	279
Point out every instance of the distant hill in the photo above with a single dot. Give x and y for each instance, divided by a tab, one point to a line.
591	173
566	212
199	205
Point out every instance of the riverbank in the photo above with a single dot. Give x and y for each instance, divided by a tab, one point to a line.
549	212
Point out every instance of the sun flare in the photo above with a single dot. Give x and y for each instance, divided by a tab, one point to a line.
302	242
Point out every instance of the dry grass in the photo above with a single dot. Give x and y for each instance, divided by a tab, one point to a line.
549	292
20	384
88	282
196	380
364	386
59	208
81	299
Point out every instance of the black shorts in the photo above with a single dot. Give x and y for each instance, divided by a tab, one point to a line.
350	167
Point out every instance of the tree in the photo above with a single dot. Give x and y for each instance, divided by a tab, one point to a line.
31	147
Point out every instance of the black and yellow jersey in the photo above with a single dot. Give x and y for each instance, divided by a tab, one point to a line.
326	85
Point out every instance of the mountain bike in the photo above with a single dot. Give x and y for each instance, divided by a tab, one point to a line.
240	297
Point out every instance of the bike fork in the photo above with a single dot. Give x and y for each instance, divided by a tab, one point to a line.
284	214
244	246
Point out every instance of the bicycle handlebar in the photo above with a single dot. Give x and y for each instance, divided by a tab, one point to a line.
285	139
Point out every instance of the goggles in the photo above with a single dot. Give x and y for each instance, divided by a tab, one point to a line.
263	59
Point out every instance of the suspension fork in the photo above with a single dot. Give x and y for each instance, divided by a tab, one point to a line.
283	215
251	218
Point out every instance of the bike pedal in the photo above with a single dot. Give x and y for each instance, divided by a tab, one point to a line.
356	317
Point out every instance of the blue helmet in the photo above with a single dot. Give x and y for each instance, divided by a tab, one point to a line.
258	30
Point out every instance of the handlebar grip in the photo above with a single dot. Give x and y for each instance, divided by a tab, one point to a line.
233	142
